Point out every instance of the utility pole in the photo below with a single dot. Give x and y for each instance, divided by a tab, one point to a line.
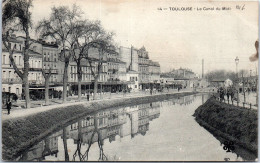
237	61
243	86
202	76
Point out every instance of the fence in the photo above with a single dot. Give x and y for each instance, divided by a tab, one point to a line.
235	102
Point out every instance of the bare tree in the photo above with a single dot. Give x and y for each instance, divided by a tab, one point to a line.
79	143
59	27
81	37
103	42
17	18
102	156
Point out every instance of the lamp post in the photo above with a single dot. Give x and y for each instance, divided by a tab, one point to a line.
237	61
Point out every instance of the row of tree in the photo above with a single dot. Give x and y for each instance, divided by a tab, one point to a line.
224	74
74	35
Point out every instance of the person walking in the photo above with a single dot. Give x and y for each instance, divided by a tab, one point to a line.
232	93
9	106
228	94
88	96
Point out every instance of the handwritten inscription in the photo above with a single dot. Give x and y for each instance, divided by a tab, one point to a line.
189	8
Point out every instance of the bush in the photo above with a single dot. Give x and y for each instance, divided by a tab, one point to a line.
37	95
6	96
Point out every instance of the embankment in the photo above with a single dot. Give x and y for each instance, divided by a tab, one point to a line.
230	123
22	133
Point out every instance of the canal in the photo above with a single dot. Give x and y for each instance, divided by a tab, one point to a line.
158	131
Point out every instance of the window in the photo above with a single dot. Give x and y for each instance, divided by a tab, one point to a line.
3	89
9	75
20	60
9	89
17	91
3	74
20	47
3	59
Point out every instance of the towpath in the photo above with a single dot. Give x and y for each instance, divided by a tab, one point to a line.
38	106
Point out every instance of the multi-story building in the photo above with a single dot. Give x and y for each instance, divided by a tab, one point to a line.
149	71
87	82
183	73
143	68
49	54
11	82
130	57
154	72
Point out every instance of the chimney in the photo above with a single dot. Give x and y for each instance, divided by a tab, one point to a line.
202	76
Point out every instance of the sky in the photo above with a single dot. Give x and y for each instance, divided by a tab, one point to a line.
175	38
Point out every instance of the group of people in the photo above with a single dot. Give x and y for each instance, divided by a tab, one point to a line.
229	92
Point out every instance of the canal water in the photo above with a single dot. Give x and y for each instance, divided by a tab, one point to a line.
157	131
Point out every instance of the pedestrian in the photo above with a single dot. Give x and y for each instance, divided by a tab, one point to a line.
232	95
88	96
60	94
9	106
228	94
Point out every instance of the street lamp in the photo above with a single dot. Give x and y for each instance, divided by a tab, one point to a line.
237	61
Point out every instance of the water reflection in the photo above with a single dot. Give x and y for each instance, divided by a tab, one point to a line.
109	124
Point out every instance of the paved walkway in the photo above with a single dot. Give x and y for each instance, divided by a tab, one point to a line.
55	103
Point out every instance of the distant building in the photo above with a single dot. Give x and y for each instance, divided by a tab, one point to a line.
149	71
130	57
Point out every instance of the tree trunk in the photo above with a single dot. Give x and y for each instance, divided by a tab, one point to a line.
26	71
95	88
47	101
79	71
65	82
79	89
65	144
26	92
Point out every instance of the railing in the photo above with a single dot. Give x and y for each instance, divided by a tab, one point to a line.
34	82
235	102
11	81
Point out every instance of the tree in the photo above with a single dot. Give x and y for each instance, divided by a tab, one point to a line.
47	76
103	42
221	74
59	27
81	36
17	19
